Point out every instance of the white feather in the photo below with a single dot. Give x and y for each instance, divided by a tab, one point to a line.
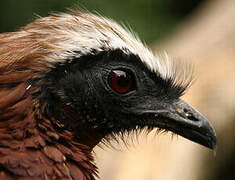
74	35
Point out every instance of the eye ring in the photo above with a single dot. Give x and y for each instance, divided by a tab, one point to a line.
121	81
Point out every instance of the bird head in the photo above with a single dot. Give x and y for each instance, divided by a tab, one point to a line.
95	79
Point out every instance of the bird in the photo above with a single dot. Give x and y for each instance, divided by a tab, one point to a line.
73	80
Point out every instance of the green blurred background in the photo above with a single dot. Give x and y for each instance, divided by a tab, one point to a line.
151	19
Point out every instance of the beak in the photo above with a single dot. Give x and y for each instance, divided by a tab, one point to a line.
182	119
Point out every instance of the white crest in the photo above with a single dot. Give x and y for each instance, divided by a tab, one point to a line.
77	34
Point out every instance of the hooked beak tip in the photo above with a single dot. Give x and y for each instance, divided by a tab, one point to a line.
182	119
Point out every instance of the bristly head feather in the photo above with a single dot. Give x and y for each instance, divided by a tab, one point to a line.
130	138
64	37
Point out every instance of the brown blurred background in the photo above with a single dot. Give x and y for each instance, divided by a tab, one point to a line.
200	31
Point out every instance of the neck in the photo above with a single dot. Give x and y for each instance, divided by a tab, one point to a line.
30	147
85	134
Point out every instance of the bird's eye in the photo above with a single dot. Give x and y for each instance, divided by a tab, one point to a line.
121	81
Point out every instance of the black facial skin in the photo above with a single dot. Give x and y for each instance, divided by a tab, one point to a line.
81	88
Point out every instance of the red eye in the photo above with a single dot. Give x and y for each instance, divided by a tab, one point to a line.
121	81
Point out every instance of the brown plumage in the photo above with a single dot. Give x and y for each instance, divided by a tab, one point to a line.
30	147
44	132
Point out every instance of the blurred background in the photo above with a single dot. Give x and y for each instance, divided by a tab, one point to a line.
200	31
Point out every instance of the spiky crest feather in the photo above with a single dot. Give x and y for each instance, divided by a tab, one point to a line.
64	37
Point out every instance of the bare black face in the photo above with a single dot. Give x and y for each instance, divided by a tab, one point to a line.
112	92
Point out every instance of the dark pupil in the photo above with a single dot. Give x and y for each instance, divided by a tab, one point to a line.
123	79
120	81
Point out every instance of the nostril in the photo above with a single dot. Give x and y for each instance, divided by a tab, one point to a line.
190	115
